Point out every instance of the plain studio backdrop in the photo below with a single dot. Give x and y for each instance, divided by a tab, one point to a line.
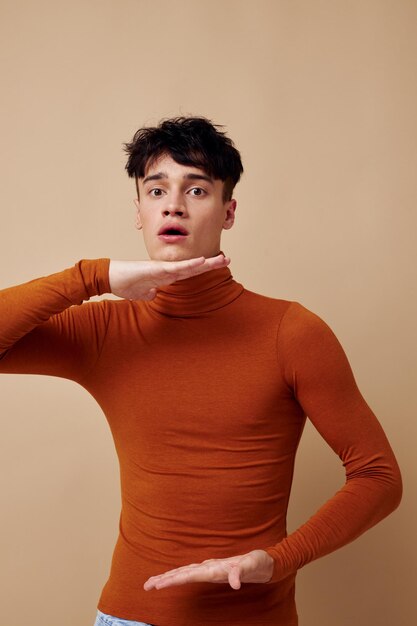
320	98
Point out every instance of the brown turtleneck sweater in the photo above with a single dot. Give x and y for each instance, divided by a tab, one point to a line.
206	390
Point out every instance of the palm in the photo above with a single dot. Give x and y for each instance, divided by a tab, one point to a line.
254	567
139	280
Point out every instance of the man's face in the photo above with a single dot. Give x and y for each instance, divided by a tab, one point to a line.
176	195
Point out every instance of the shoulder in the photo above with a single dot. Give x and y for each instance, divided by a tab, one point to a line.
297	325
299	318
293	315
263	304
307	341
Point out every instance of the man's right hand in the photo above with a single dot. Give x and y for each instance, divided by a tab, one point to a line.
138	280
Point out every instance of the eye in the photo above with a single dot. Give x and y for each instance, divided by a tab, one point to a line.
155	189
198	189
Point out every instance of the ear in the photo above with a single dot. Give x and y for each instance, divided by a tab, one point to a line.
138	221
230	214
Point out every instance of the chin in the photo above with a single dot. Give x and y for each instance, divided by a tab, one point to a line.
179	252
169	253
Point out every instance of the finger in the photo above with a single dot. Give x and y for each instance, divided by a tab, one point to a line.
150	295
181	578
250	569
170	580
216	261
197	265
155	580
185	265
183	568
211	263
212	571
234	577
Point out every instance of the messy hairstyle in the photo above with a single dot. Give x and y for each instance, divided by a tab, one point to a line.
191	141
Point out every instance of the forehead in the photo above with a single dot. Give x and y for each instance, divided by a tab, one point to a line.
165	168
165	162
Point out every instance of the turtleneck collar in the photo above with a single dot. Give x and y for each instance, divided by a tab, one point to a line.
198	294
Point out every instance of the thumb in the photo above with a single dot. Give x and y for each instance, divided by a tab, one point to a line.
234	577
150	295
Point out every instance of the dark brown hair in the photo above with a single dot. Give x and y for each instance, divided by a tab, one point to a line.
191	141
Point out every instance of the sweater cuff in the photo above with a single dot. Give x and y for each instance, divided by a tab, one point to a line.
278	572
95	276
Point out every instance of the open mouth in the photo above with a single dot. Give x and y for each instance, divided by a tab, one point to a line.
173	232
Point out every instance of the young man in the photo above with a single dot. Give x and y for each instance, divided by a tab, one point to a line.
206	387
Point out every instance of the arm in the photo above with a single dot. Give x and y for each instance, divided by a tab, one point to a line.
23	307
318	373
41	332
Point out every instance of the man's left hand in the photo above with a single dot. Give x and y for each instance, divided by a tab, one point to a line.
254	567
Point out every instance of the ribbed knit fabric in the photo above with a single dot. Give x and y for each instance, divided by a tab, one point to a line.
206	390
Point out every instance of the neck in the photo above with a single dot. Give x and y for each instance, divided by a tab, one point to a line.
198	294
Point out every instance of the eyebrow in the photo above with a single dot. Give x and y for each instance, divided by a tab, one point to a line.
161	175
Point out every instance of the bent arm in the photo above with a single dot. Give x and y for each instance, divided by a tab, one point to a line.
45	328
317	371
41	331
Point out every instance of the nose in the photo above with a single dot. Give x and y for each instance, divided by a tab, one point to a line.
173	211
174	205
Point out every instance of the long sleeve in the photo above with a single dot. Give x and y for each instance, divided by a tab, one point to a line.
317	372
44	326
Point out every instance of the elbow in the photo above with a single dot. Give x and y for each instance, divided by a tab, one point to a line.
397	489
393	492
387	486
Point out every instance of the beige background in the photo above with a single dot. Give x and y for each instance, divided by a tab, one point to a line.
320	98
